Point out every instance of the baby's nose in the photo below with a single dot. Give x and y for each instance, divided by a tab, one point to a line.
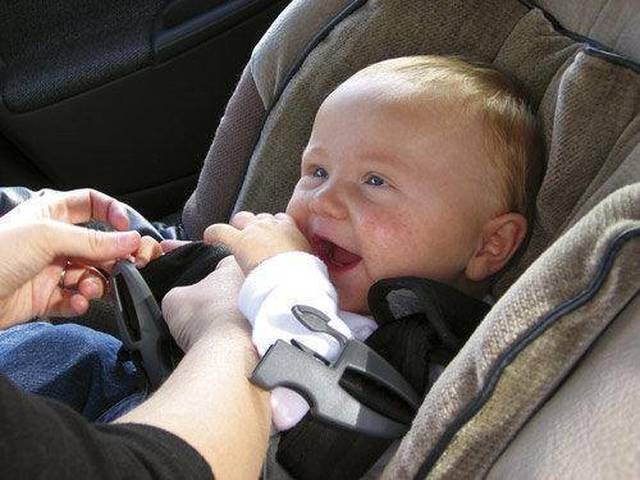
329	201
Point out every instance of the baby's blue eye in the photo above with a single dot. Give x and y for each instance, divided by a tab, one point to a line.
375	180
320	172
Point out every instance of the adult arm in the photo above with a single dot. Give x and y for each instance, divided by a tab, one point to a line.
208	400
41	438
206	417
207	405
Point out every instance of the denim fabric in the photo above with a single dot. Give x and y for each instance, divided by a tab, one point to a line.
85	369
123	406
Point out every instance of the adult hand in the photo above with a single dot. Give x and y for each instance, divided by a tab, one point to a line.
254	238
212	304
45	261
208	400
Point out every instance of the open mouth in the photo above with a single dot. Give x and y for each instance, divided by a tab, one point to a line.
334	256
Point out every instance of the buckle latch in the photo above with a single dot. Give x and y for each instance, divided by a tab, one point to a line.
142	328
301	369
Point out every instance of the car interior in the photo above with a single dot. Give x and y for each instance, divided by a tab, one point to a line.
192	110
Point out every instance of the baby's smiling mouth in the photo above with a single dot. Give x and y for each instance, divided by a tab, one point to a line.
336	258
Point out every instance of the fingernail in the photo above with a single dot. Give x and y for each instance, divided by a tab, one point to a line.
128	240
92	287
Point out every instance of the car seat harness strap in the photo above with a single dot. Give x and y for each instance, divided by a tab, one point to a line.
359	403
299	368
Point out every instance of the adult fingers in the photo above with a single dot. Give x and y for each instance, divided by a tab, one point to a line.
86	244
221	232
85	204
28	248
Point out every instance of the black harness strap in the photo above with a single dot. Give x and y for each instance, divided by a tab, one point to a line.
419	346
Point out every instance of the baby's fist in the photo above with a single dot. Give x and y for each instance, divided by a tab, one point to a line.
254	238
149	250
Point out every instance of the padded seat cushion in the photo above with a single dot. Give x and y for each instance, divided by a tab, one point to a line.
590	428
587	104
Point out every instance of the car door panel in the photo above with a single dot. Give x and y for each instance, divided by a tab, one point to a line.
141	131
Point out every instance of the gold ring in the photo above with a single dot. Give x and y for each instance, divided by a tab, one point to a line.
63	274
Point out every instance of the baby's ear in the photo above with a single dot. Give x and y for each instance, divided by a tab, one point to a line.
500	239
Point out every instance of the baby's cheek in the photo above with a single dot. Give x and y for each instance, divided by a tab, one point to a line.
296	207
383	231
399	247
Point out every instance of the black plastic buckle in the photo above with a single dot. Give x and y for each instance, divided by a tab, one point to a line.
299	368
142	328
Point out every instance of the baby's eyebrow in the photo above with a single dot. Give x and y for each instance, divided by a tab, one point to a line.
385	158
314	151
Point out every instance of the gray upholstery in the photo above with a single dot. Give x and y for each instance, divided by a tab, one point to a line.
227	159
527	345
291	31
613	23
588	103
591	427
590	115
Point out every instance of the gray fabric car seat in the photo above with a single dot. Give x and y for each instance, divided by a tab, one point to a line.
547	384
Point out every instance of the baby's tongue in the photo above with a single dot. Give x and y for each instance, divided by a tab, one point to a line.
342	256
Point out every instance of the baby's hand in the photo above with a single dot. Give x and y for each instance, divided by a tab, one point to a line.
149	250
254	238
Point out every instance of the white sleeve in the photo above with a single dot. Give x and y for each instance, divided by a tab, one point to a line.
279	283
266	298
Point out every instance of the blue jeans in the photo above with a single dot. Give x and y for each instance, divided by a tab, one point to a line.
85	369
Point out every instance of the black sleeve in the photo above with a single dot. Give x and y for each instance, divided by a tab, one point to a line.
41	438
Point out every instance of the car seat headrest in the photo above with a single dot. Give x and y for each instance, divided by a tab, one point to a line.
611	24
580	93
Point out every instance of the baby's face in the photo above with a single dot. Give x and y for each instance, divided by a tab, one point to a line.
392	186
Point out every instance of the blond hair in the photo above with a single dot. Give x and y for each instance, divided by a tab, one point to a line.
513	141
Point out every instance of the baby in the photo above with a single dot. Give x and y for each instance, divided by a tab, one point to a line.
417	166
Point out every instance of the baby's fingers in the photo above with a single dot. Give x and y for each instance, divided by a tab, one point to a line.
170	245
149	250
87	281
80	284
241	219
285	217
223	233
92	285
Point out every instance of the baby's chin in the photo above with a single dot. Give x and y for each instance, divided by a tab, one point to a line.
352	288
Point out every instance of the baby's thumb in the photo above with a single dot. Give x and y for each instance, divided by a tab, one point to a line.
223	233
91	245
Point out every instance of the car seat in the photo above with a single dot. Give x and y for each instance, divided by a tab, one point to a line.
546	387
